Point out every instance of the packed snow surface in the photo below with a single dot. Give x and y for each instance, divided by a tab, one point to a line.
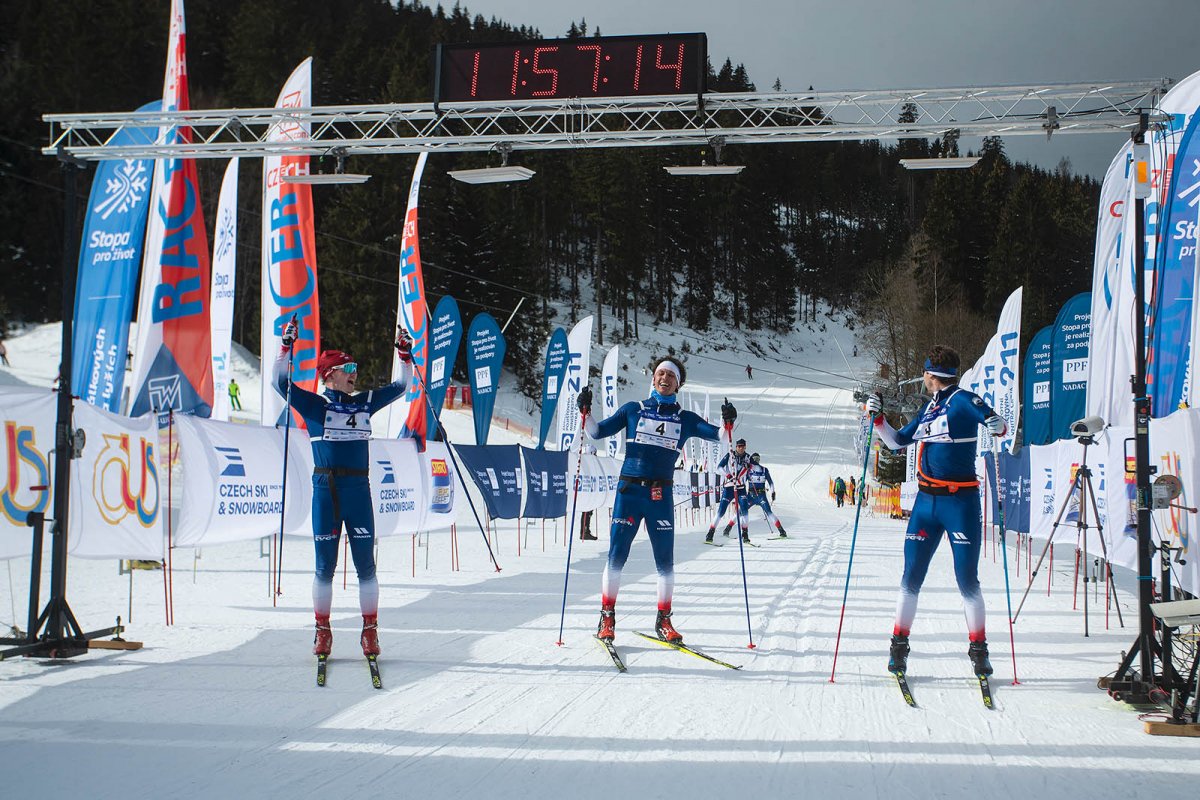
478	701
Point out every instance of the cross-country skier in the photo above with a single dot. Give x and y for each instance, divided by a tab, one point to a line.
947	497
757	480
339	427
734	467
655	430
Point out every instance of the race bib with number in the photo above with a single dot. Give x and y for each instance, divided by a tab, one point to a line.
345	423
658	432
934	429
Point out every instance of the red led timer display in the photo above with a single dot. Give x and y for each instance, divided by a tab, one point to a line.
611	66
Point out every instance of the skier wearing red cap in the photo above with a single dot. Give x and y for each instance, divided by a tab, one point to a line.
339	427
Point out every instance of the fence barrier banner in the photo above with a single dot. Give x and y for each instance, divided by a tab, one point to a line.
494	470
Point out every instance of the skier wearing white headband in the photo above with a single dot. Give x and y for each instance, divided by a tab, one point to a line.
655	429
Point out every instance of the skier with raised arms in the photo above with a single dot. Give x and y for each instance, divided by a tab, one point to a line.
947	498
734	467
655	429
339	427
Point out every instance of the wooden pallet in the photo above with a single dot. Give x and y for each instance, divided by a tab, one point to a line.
113	644
1156	728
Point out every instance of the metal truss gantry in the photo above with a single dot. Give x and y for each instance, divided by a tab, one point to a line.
736	118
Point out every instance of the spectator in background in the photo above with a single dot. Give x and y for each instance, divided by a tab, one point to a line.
235	394
749	372
3	354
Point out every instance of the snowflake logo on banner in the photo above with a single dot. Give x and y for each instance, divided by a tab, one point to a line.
125	189
1191	189
225	233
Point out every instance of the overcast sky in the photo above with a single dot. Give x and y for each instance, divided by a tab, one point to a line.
894	44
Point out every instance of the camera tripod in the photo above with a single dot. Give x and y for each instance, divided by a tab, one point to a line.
1082	483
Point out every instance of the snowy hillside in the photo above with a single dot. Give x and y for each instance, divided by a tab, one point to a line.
479	702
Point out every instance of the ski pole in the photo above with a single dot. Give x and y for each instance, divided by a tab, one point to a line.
287	430
737	515
853	539
1012	645
450	451
571	526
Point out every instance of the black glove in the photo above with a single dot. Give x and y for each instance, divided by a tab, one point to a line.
584	400
404	346
291	332
728	412
772	495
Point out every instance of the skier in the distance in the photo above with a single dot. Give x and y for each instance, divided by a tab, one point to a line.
947	498
757	480
655	430
839	491
734	467
339	427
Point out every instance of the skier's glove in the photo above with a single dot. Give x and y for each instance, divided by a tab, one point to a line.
772	495
996	425
728	412
874	405
291	332
584	400
404	346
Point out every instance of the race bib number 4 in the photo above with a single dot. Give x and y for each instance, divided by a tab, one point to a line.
658	433
346	423
934	430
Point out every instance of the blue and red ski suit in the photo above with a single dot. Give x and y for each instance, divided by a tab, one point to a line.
655	430
339	428
946	432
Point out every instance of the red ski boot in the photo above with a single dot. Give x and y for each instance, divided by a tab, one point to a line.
323	640
606	630
370	635
665	630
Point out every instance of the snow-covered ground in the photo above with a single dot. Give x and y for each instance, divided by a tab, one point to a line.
478	700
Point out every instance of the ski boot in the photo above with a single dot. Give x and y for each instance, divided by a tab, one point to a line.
665	630
606	630
899	655
709	536
587	536
978	652
782	532
323	640
746	535
370	635
728	528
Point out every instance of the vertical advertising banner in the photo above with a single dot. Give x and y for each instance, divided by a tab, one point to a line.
1110	361
579	353
445	337
1068	385
998	373
289	256
223	281
552	381
1171	341
412	315
1037	387
1177	107
608	393
109	256
485	355
172	362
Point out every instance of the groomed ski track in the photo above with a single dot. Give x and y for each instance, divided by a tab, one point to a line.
479	702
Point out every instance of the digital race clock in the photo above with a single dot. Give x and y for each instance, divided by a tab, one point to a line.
609	66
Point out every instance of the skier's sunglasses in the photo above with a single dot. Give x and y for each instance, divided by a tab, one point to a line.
349	369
